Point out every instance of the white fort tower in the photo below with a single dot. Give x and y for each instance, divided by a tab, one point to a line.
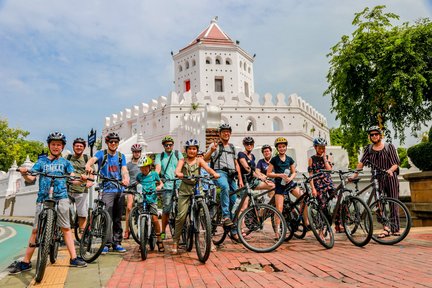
214	83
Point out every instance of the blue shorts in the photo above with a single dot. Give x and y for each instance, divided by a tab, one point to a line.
285	189
167	201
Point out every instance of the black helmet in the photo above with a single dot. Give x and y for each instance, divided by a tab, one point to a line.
56	136
374	128
112	136
225	126
265	146
79	140
248	140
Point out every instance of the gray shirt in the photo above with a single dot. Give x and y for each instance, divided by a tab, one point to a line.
133	172
226	159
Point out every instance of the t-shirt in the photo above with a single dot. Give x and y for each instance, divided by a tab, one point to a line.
262	165
134	170
58	167
79	168
170	170
111	169
148	183
251	164
280	166
226	160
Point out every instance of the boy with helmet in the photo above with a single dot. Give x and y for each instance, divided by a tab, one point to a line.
165	165
262	165
133	172
151	182
56	165
112	164
191	165
79	193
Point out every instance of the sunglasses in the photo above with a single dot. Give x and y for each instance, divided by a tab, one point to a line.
248	144
113	142
168	145
374	134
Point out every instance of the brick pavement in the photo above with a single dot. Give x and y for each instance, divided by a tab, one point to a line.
298	263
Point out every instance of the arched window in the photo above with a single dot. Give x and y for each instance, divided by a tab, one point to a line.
241	64
193	62
208	60
250	124
187	64
180	68
218	60
249	70
244	66
277	124
228	61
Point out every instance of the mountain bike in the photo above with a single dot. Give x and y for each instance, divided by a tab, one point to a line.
48	234
390	216
73	216
257	226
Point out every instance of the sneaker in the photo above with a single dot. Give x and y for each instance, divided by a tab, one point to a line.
20	267
105	250
119	249
77	262
227	222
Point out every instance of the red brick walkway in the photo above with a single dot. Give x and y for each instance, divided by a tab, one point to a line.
298	263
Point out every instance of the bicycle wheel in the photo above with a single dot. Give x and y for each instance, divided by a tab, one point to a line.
143	236
152	238
264	228
320	225
357	221
295	222
73	218
391	221
189	230
172	217
44	244
55	245
218	231
95	235
202	232
133	223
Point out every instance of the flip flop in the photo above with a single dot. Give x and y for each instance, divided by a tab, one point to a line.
384	234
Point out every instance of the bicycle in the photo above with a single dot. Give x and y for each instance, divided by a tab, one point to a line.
145	232
48	234
98	226
198	224
356	217
387	212
259	231
73	216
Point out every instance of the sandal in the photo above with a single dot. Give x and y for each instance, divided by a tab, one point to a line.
384	234
160	246
396	233
174	250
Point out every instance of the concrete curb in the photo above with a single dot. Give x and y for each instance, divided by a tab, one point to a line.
18	221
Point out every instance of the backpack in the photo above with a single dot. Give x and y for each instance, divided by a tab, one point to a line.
386	149
105	158
176	154
69	157
221	150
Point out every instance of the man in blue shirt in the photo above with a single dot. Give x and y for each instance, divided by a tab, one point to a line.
112	164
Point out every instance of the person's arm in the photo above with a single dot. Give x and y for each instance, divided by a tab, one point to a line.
237	167
243	162
178	172
28	178
211	150
394	159
89	167
209	170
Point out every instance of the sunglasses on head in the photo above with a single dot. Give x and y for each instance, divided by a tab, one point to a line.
374	134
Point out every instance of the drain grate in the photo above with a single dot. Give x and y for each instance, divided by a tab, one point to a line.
257	268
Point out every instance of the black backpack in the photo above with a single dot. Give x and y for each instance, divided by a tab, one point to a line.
221	150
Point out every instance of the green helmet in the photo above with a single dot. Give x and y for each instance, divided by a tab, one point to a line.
167	139
144	161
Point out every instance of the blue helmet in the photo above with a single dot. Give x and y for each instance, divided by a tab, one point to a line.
56	136
191	142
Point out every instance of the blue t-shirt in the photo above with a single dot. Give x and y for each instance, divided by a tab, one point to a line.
262	165
280	166
111	169
148	183
170	170
59	167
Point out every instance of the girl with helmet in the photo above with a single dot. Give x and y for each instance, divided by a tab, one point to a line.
151	182
282	168
191	165
322	186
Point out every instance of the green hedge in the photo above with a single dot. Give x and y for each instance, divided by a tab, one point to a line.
421	154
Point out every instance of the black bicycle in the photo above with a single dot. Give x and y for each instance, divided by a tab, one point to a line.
391	218
98	226
48	234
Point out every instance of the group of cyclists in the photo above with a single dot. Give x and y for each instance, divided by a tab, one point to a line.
229	170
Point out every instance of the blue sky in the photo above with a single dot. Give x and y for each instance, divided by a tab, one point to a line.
66	65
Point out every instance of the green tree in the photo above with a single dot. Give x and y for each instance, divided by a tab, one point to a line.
13	146
381	75
337	138
402	152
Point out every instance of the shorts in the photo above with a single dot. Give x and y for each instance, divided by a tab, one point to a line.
254	182
81	203
284	189
63	217
153	209
167	201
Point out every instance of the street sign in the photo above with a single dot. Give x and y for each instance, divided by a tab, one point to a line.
92	137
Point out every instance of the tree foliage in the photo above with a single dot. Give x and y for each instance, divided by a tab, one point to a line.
337	138
14	146
381	75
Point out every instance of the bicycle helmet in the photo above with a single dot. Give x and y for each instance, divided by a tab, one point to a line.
374	128
167	139
112	136
191	142
319	142
136	147
56	136
280	140
248	140
144	161
265	146
225	126
79	140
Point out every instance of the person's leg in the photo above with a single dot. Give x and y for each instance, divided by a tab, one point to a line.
279	200
117	216
166	209
183	206
129	200
108	199
81	202
222	183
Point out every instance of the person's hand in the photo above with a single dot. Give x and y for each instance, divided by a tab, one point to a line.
214	146
286	178
241	184
160	186
125	182
89	169
23	170
216	176
180	175
314	192
390	172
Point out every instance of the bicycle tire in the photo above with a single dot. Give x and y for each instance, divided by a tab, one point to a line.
189	233
172	217
320	226
295	221
143	237
254	219
357	221
152	239
390	221
202	232
133	223
95	235
219	233
73	218
44	244
55	245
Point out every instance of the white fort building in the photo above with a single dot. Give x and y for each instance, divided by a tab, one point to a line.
214	83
